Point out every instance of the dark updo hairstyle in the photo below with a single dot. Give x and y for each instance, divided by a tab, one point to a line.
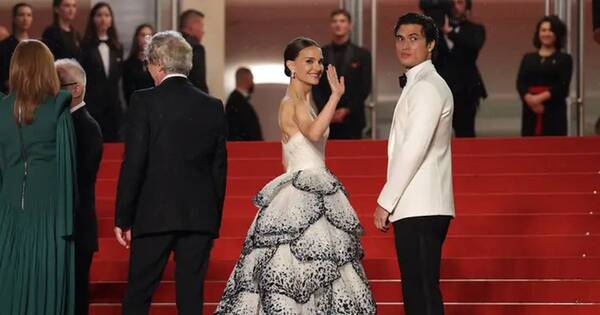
293	48
558	28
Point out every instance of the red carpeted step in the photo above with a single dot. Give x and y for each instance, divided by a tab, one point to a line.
367	165
396	309
471	203
236	224
387	268
379	147
488	183
386	291
455	246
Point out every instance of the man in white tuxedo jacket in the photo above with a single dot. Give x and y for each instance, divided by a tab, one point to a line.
417	197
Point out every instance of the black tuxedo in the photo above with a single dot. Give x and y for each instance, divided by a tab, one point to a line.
62	44
171	189
198	73
102	96
89	154
354	63
458	67
135	77
7	48
242	119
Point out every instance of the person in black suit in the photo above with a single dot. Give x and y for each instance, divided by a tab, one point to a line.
191	26
135	74
172	184
89	153
61	37
456	62
22	18
596	20
101	58
544	79
241	117
354	64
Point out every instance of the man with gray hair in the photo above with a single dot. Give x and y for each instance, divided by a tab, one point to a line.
172	184
89	153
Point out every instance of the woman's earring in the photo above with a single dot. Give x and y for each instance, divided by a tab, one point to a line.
293	75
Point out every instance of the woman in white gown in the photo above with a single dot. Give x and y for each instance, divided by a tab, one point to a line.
302	253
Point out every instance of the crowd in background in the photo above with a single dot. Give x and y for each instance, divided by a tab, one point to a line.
543	80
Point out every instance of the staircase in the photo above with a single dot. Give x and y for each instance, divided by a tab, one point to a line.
526	239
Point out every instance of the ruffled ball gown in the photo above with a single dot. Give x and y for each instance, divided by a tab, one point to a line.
302	253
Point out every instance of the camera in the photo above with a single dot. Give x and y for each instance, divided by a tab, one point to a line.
438	10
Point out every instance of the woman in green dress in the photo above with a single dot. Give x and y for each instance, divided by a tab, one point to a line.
36	188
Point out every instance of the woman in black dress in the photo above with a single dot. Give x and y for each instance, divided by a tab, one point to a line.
135	74
61	37
543	81
101	58
22	17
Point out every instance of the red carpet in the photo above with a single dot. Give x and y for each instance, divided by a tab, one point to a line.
526	239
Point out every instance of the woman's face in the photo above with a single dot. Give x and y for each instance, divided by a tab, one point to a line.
141	36
547	37
103	19
308	66
67	10
24	18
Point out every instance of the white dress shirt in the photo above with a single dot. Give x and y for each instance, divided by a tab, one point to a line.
173	75
419	177
104	51
76	107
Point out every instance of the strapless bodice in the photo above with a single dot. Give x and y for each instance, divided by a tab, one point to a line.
300	153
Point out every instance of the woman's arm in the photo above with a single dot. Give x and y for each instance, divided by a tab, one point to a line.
315	129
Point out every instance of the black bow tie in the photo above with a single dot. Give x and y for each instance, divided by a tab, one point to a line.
105	41
402	80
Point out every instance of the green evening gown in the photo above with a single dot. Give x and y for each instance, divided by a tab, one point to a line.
36	210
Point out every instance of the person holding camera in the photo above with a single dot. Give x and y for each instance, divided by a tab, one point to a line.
456	61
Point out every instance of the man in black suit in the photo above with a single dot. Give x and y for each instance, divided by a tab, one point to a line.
172	184
456	62
241	118
354	63
191	26
89	153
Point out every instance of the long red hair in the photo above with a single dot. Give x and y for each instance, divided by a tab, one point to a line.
33	77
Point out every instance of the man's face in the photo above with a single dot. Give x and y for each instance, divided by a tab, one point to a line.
197	27
459	10
340	25
67	10
411	47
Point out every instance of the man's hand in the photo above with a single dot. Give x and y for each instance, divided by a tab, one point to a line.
446	28
123	237
381	217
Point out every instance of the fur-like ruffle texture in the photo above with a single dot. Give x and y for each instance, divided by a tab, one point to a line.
302	253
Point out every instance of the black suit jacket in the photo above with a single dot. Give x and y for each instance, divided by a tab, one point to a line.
62	44
174	170
458	66
89	154
242	119
135	77
102	90
356	69
198	73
